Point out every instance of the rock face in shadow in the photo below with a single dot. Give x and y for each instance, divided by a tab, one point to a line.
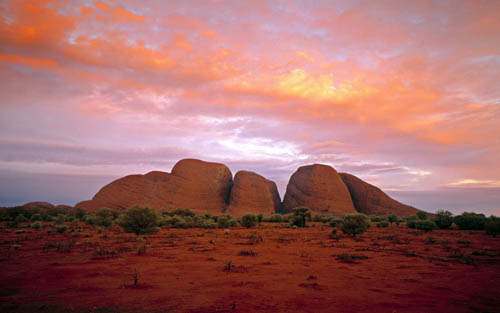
369	199
320	188
195	184
252	193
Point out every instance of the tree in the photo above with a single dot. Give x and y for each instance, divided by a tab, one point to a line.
421	215
354	224
248	220
104	217
472	221
392	218
443	219
139	220
300	215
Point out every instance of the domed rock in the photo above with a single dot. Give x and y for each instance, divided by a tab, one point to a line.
39	204
195	184
369	199
320	188
252	193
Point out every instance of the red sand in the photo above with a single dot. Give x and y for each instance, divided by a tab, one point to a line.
294	270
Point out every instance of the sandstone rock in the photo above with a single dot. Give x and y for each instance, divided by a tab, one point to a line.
369	199
252	193
320	188
39	204
195	184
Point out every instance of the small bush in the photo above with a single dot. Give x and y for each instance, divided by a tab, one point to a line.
443	219
21	219
260	217
421	215
411	224
36	225
334	221
300	216
183	212
104	217
492	226
275	218
383	224
139	220
60	219
354	224
91	219
36	217
224	221
470	221
61	228
392	218
426	225
376	218
248	220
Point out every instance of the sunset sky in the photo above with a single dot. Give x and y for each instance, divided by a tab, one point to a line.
403	94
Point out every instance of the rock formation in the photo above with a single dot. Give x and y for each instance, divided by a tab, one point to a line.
320	188
369	199
39	204
252	193
195	184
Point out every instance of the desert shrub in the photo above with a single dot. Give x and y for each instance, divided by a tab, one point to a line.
275	218
411	224
80	214
224	221
21	218
392	218
383	224
61	228
492	226
300	216
470	221
421	215
320	218
354	224
334	221
36	225
36	217
377	218
260	217
411	218
60	219
104	217
177	221
183	212
443	219
139	220
248	220
426	225
190	221
91	219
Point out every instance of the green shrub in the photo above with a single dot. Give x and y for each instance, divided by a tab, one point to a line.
21	218
260	217
224	221
36	217
60	219
383	224
376	218
392	218
320	218
354	224
80	214
104	217
492	226
300	216
470	221
139	220
61	228
334	221
275	218
91	219
183	212
426	225
36	225
421	215
443	219
248	220
411	224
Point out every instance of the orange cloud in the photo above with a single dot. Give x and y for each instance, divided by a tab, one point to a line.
118	14
31	62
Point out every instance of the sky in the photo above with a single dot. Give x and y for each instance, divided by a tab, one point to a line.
403	94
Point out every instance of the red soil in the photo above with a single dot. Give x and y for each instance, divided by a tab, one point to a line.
293	270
